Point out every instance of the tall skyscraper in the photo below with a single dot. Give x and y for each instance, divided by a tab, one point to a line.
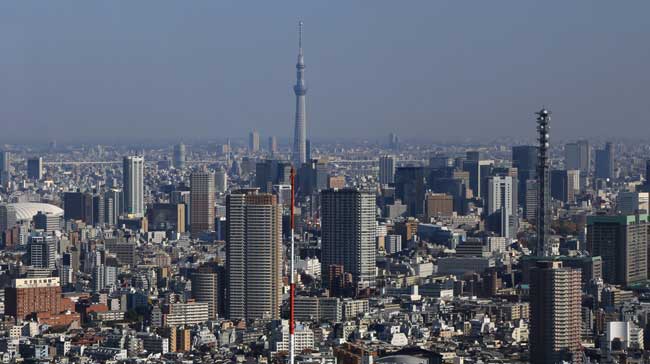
273	145
254	141
622	242
179	156
42	252
133	185
500	204
524	158
300	89
348	233
5	164
202	192
221	181
565	184
605	162
410	187
555	316
543	224
253	255
577	155
271	172
386	169
35	168
5	160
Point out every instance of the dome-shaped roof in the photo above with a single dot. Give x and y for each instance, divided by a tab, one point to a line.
27	210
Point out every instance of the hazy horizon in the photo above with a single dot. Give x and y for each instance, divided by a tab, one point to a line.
162	70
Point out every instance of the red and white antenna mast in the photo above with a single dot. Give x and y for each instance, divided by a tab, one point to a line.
292	281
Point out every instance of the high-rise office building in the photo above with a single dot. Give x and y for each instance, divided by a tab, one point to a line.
605	162
202	194
530	201
300	89
78	206
348	233
386	169
113	204
629	203
133	185
46	221
221	180
500	204
167	217
271	172
273	145
254	141
647	173
393	141
179	157
555	313
5	164
438	204
35	168
253	255
565	184
622	242
577	156
5	160
471	164
410	187
312	177
208	286
42	251
524	158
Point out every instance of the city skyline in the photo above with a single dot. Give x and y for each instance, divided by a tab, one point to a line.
423	77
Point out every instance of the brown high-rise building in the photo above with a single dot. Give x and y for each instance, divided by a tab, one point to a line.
33	295
208	286
202	193
437	204
254	255
555	313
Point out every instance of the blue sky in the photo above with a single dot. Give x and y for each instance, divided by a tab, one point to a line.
74	70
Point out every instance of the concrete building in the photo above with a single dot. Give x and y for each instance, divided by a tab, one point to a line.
500	205
29	295
555	316
348	233
622	242
629	203
166	217
133	185
185	313
254	255
386	169
437	204
202	195
208	286
35	168
179	156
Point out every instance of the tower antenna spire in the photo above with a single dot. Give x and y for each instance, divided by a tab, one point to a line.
300	23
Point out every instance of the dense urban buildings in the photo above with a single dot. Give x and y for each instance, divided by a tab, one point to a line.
361	248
